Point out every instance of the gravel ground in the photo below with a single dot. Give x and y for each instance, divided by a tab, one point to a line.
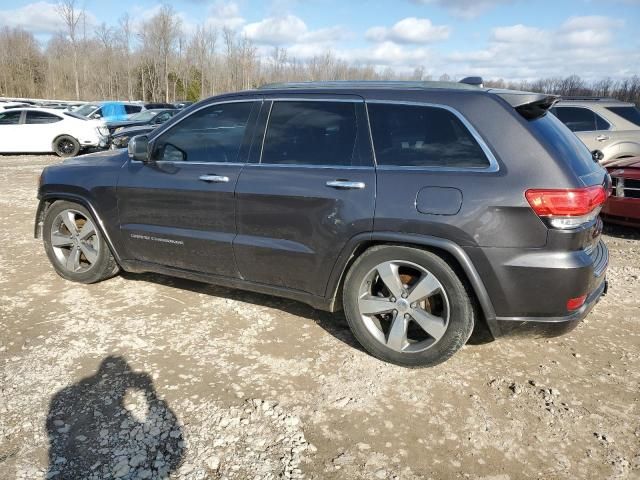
145	376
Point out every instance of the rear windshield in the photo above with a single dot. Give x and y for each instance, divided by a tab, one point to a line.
74	115
87	109
562	143
630	114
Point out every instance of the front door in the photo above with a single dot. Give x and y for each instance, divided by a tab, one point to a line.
311	191
179	209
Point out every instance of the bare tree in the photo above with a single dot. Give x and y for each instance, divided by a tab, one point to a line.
71	17
125	41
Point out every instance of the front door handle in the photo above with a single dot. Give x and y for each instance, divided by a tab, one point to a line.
602	138
346	185
214	178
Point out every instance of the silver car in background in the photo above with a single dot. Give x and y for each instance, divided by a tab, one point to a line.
608	125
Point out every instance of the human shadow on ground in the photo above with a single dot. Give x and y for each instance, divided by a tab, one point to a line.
112	425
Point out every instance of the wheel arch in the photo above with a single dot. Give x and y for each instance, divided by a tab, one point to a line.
622	149
48	199
447	249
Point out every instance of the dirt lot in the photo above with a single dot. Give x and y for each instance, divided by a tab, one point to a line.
144	375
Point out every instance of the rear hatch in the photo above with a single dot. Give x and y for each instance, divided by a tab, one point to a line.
575	210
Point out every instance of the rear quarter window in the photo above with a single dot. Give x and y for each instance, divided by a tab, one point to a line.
630	114
422	136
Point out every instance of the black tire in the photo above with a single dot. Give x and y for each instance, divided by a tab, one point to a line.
461	306
104	265
66	146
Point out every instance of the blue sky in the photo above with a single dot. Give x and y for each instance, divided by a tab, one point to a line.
511	39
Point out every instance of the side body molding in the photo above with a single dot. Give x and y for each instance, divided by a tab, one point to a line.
448	246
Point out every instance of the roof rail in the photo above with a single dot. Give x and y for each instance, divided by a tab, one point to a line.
592	98
375	84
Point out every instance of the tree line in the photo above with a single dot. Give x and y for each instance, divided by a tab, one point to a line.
159	61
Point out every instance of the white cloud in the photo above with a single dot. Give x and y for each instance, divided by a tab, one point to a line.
465	8
276	30
37	17
516	34
410	30
525	52
290	29
225	15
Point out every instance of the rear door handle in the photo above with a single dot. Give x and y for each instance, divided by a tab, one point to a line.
602	138
346	184
214	178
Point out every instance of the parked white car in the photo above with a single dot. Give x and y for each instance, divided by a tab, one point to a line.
40	130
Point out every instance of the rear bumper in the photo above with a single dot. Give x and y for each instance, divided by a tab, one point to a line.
530	287
551	326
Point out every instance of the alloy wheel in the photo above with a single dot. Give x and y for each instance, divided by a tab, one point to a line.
75	241
404	306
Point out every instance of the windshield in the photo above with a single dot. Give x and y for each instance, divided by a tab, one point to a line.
143	116
86	110
630	114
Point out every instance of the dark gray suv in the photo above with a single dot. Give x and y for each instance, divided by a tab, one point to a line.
421	209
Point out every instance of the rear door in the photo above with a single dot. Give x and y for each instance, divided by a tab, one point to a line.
309	190
12	136
179	211
41	128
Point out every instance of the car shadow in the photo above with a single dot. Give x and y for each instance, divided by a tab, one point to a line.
112	425
620	231
333	323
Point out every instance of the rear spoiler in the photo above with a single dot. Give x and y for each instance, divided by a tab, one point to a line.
528	104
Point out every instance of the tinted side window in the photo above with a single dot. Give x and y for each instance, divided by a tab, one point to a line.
312	133
132	109
10	118
422	136
577	119
213	134
41	117
601	123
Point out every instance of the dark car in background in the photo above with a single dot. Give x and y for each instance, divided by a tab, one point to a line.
420	209
153	117
157	105
183	104
120	139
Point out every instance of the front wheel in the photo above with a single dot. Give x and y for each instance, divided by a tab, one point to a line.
76	248
407	306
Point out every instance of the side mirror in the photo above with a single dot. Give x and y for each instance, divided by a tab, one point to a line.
139	148
597	156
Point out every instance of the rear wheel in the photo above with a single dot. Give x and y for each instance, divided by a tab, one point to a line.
74	244
407	306
66	146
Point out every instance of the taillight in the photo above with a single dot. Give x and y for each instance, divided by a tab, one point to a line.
567	208
576	303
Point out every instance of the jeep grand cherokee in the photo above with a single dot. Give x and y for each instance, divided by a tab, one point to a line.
420	209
